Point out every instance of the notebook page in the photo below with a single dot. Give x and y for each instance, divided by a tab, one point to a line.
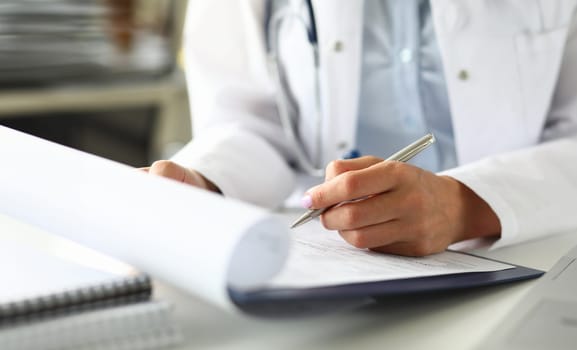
27	272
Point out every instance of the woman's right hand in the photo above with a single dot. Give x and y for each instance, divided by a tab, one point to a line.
171	170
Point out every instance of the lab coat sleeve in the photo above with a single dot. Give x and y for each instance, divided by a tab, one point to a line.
238	142
533	190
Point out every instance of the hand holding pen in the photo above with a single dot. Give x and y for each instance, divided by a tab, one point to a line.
394	207
403	155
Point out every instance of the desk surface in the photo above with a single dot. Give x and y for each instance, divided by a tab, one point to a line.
457	320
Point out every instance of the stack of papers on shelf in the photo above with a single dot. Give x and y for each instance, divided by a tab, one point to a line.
46	41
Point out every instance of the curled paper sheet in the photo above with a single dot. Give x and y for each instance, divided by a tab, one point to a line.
193	239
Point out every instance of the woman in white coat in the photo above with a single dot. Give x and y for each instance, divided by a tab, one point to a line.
496	81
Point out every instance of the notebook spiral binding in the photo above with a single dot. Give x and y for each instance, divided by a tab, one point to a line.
120	291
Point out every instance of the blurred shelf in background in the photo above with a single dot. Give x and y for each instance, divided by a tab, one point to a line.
98	75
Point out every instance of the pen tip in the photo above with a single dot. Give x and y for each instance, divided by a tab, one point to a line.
303	219
296	223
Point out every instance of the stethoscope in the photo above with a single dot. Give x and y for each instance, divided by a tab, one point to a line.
288	108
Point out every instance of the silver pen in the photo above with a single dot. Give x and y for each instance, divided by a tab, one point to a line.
401	156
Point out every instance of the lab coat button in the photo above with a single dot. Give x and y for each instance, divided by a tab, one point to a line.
338	46
463	75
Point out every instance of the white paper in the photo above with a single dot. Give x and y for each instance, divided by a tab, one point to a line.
322	258
191	238
28	273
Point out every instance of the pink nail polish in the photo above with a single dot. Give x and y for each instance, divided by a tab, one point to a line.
307	201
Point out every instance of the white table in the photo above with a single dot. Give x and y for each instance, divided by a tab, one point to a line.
457	320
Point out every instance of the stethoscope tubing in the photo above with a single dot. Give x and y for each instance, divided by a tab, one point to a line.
285	100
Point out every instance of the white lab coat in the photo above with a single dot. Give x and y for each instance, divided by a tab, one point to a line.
514	114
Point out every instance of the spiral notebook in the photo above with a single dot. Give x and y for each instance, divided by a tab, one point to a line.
73	301
37	284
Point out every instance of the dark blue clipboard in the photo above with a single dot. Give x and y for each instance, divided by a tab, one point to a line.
398	287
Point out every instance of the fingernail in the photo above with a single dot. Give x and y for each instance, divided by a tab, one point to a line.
307	201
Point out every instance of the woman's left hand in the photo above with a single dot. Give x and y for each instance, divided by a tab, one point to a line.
408	211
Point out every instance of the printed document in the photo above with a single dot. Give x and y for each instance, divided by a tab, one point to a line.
322	258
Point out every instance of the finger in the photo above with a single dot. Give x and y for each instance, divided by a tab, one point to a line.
355	184
376	236
337	167
371	211
168	169
171	170
145	169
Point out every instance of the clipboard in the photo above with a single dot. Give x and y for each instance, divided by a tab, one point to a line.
388	288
